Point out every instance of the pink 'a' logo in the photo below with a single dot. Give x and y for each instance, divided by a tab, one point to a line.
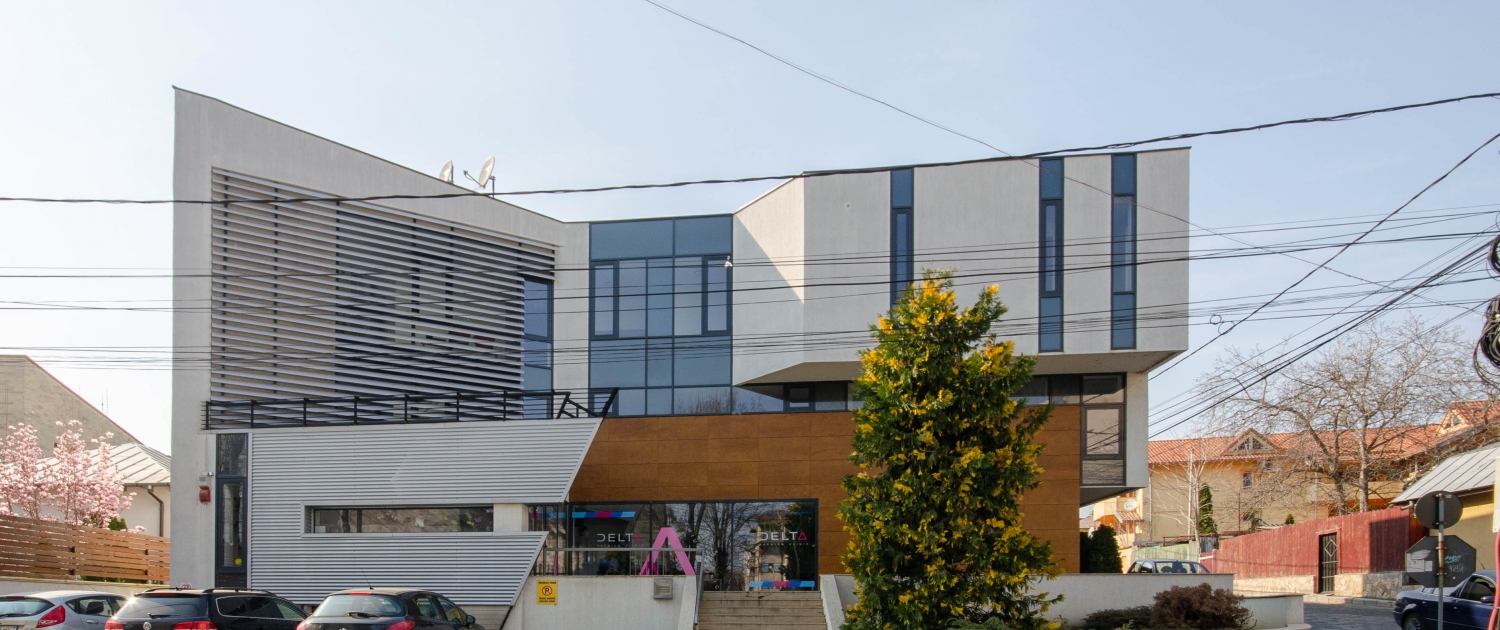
667	534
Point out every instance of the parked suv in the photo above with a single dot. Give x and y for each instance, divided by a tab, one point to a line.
57	610
206	609
387	609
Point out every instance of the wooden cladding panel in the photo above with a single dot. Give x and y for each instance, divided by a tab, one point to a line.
789	456
43	549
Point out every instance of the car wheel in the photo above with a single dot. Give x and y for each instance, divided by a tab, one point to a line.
1411	622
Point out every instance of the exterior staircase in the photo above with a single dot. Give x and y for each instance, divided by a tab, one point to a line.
762	610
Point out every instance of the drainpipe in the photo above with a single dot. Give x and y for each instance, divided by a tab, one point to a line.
161	513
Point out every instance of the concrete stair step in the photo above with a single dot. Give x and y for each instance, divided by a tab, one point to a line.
765	626
797	617
723	595
814	604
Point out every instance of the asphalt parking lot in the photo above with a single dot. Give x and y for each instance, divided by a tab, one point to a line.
1346	617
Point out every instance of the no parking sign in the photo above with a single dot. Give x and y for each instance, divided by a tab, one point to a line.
546	592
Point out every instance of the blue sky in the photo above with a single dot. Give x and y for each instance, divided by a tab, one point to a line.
594	93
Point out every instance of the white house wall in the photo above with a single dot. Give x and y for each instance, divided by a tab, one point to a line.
848	240
464	463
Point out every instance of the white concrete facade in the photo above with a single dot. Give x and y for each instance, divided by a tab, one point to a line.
811	269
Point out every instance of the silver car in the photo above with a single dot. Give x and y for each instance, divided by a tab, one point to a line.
58	610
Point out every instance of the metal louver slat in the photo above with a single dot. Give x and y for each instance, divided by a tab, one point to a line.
315	298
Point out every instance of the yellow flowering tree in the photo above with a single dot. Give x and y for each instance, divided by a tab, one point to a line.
944	455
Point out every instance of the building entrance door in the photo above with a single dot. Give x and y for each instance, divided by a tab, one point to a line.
1328	561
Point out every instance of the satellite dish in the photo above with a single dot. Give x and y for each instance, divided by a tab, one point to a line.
447	173
1130	504
484	172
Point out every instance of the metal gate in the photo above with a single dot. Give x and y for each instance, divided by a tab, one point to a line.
1328	561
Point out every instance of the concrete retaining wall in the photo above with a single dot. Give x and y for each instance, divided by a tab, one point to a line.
1380	585
620	602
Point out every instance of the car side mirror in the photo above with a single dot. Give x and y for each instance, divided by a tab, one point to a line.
469	621
1487	599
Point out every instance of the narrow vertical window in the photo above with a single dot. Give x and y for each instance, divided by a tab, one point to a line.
902	263
1050	306
536	344
604	300
1122	252
232	468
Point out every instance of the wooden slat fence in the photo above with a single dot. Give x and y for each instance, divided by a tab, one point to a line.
43	549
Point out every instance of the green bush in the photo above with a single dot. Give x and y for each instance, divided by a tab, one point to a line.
1200	607
1114	619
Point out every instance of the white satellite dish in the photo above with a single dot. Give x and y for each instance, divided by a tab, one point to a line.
485	171
447	173
1130	504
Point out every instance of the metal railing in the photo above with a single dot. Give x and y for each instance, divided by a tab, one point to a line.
402	409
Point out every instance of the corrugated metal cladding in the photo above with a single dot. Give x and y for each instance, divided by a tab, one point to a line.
315	299
291	470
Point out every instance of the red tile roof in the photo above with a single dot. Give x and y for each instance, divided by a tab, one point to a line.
1394	443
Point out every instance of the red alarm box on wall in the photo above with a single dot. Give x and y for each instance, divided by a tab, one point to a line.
204	496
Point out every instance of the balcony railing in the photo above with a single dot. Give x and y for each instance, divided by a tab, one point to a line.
402	409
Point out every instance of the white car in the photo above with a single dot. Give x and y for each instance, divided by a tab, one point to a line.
58	610
1166	566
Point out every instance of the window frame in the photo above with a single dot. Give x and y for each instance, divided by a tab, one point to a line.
221	480
308	523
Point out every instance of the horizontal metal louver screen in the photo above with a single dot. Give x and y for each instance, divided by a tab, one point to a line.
291	470
314	299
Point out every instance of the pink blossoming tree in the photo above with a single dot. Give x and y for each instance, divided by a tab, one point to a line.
83	485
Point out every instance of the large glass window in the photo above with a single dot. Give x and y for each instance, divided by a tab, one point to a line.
1122	252
392	520
737	545
903	197
1050	307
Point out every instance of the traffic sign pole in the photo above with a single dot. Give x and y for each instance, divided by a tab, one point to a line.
1441	564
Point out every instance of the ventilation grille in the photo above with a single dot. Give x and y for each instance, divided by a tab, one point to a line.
316	299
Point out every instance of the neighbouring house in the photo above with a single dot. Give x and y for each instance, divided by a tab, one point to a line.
456	393
31	394
1471	476
1259	480
147	474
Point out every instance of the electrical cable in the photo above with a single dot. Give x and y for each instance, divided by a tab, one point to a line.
1183	358
739	180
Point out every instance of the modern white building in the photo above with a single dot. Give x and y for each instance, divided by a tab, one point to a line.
410	389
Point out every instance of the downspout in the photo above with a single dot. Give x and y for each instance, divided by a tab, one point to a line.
161	512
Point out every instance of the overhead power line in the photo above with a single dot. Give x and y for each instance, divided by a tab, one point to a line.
738	180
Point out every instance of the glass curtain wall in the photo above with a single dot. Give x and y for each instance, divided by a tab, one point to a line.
1101	402
660	315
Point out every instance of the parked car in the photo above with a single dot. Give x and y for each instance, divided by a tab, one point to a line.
206	609
1166	566
1466	606
58	610
388	609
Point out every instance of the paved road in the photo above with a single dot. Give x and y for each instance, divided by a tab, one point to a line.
1347	617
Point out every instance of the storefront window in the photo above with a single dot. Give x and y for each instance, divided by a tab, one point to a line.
736	545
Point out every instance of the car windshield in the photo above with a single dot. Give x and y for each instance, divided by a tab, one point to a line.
23	606
360	606
161	606
1178	567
